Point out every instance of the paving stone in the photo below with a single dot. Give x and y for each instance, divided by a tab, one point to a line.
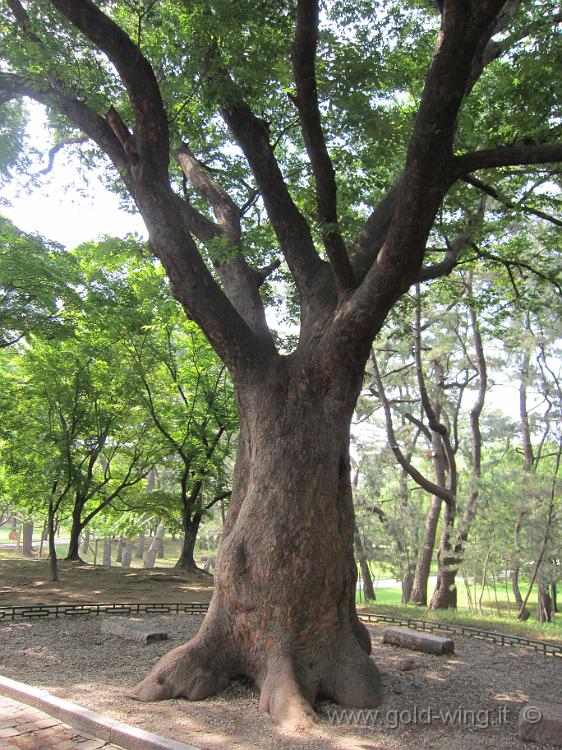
418	641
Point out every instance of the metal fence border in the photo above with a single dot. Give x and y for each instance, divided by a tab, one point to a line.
504	639
40	611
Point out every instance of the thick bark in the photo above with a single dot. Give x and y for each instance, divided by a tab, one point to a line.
287	618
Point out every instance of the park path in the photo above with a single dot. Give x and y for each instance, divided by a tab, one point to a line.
26	728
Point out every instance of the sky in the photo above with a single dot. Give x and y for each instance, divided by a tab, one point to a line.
54	208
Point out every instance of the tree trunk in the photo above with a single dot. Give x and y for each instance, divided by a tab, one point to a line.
53	563
127	553
554	596
154	546
283	608
27	539
107	553
75	531
445	594
408	583
120	548
544	604
85	541
368	590
187	557
419	590
139	549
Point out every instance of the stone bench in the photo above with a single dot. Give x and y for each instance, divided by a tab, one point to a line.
418	641
132	630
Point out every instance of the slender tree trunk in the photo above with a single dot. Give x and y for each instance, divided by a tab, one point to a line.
154	546
44	538
524	613
85	541
139	549
407	583
107	553
445	594
419	589
283	608
187	557
529	460
53	563
128	553
120	548
368	590
554	596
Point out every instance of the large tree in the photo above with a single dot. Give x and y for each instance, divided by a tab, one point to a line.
142	79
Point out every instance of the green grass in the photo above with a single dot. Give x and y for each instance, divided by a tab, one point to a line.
528	629
172	549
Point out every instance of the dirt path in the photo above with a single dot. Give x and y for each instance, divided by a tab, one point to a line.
27	582
461	702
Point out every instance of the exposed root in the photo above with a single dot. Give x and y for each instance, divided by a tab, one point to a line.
355	680
185	672
362	635
284	699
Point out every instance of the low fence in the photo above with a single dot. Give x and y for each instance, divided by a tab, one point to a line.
40	611
504	639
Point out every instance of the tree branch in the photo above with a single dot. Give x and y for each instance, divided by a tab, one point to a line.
290	226
303	53
507	156
85	118
226	211
55	149
493	193
449	262
151	125
408	467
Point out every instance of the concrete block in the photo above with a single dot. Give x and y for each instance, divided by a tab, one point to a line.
418	641
132	630
540	721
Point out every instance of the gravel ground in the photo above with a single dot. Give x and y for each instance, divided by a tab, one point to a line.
482	686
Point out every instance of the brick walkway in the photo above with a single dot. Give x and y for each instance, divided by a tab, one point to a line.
26	728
